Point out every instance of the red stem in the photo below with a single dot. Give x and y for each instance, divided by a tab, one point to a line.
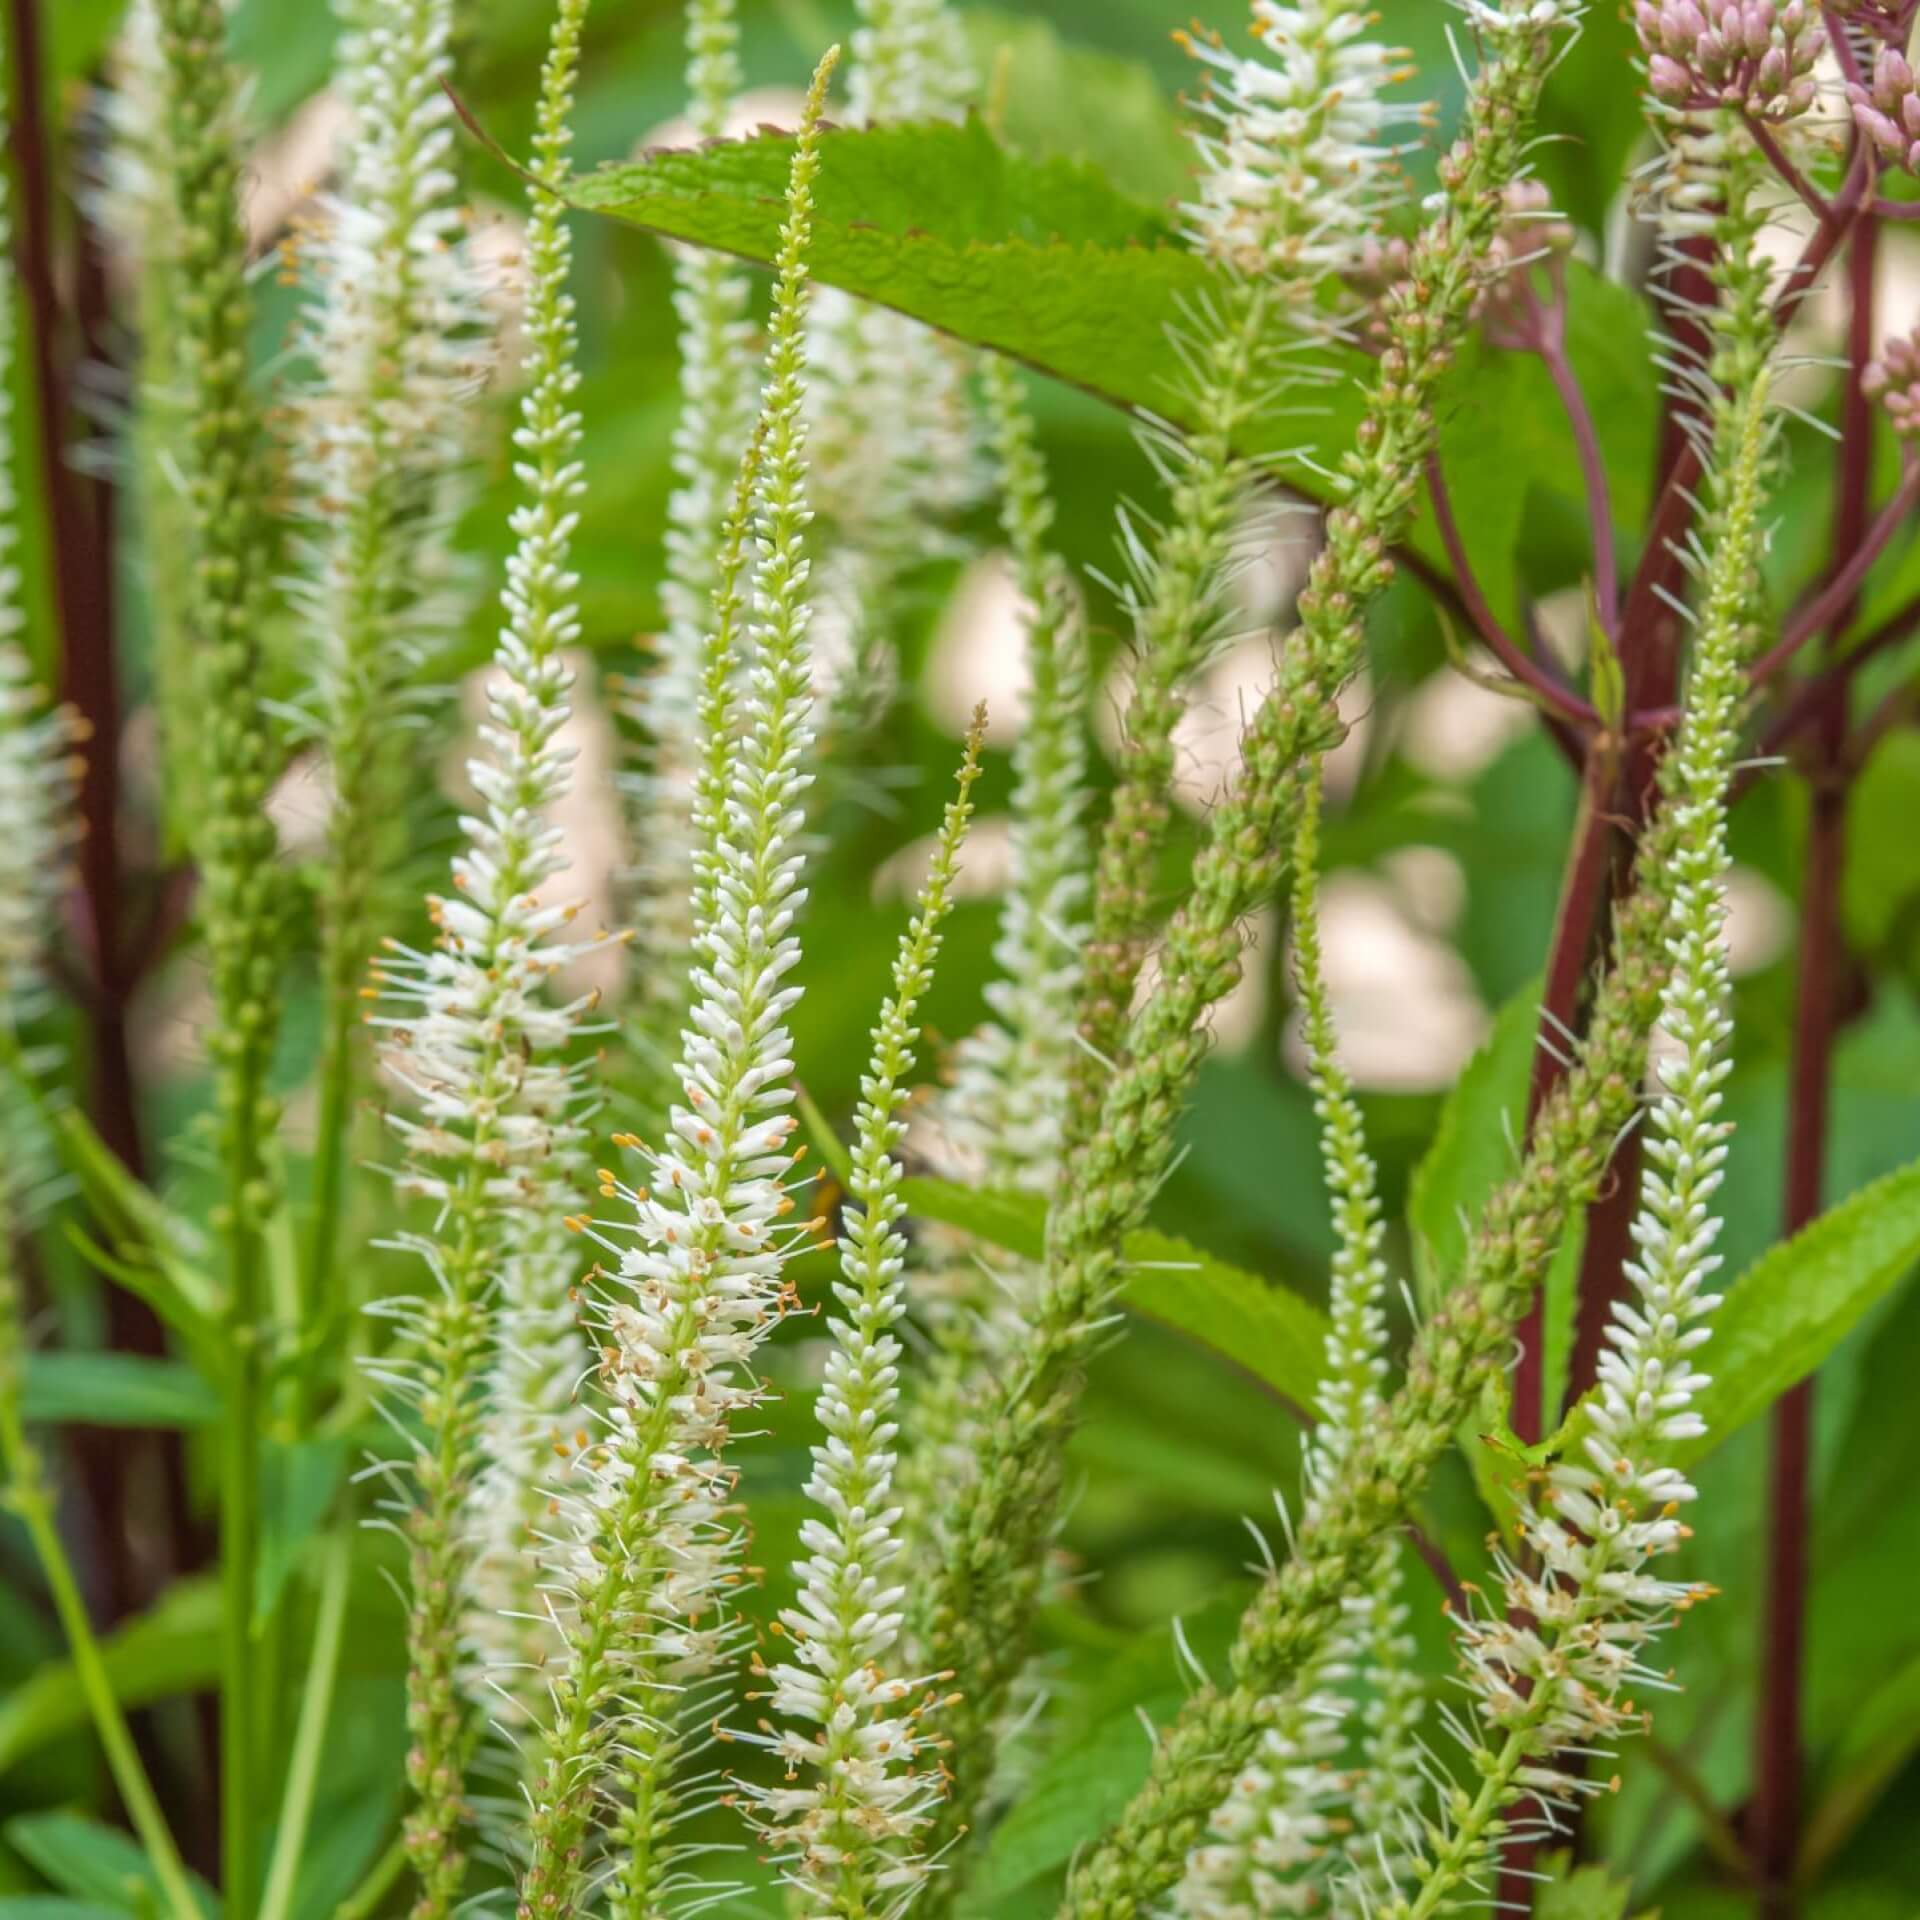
1774	1821
1593	470
1833	605
1499	642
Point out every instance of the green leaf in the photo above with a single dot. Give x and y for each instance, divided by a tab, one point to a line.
1045	261
1880	885
1053	100
1879	1741
116	1390
1475	1146
1792	1307
172	1648
297	1488
1101	1757
53	1906
1268	1330
85	1857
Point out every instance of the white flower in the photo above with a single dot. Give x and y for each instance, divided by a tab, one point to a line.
395	341
474	1036
1302	162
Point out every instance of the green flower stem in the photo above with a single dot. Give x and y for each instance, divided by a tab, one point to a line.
1457	1351
230	561
977	1615
1177	619
28	1498
310	1732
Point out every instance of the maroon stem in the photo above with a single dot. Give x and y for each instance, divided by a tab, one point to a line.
1832	607
1809	699
1774	1820
1499	642
1593	468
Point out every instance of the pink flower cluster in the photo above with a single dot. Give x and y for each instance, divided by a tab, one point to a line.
1757	55
1888	112
1894	380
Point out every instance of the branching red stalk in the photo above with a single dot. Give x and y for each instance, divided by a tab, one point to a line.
1501	644
1832	606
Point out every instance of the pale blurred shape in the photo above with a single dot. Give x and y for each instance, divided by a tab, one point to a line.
979	652
986	864
1452	729
776	108
301	804
290	167
1403	1001
1430	885
1759	922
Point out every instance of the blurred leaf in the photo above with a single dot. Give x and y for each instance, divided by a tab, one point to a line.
172	1648
116	1390
1881	1737
53	1906
1473	1151
1268	1330
78	33
1059	101
95	1862
1475	1146
1880	885
297	1489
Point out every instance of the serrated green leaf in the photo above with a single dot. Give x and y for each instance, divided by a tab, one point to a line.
1044	261
95	1862
116	1390
172	1648
1581	1893
1794	1305
1266	1329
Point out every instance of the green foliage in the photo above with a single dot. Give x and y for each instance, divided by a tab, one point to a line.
1788	1311
1264	1327
116	1390
1048	262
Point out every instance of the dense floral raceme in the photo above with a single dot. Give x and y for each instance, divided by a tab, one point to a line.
1283	1835
672	1310
480	1047
858	1780
1301	165
698	1279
